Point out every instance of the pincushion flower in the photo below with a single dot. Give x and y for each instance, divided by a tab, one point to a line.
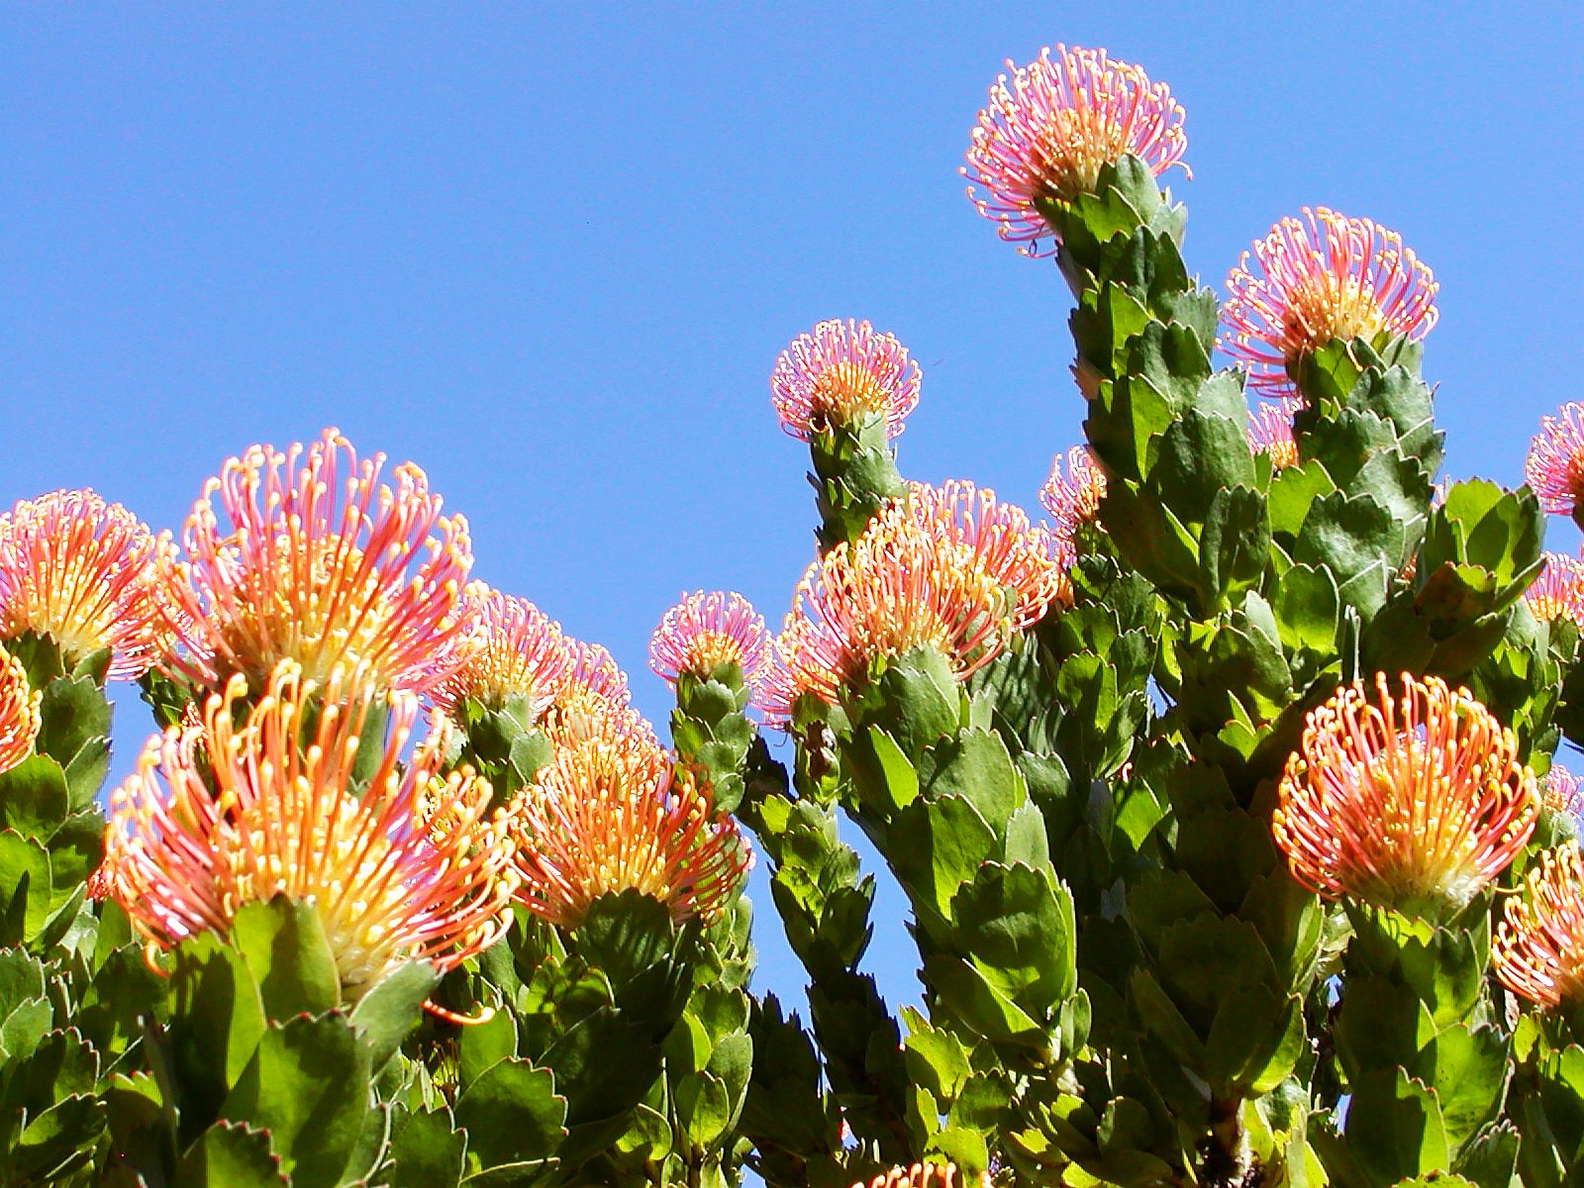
841	373
1321	278
1558	593
242	808
19	713
706	632
83	572
608	815
1072	494
1051	126
1270	432
517	651
947	568
1555	465
1538	952
1560	793
1412	801
311	558
920	1175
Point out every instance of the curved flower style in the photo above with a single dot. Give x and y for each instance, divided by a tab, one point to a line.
920	1175
948	568
221	814
1072	496
1415	802
1050	127
1538	952
518	651
840	372
83	572
1558	593
319	562
19	713
1324	277
1270	432
1560	792
704	632
1555	465
610	814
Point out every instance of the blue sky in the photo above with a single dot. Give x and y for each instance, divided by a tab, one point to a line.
550	253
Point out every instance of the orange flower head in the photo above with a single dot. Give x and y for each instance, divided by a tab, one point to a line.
921	1175
608	815
1072	494
704	632
84	573
1270	432
1321	278
518	650
1413	802
241	808
1538	951
838	374
312	558
947	568
1558	593
1560	792
1051	126
19	712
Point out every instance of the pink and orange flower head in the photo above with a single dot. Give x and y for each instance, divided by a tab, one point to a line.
1538	952
517	651
1555	465
706	633
1560	792
1270	432
948	568
1558	593
611	814
1413	801
19	713
1051	126
83	572
1322	278
311	558
922	1175
243	807
841	374
1072	494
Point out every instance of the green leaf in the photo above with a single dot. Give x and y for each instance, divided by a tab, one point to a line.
74	716
1017	927
25	886
484	1044
217	1021
1306	608
1394	1127
426	1149
392	1008
1352	537
512	1115
285	946
1467	1068
33	797
1255	1041
964	992
938	844
56	1141
25	1014
975	766
231	1153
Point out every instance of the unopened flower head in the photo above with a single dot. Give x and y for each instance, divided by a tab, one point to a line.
1323	277
1412	801
84	573
243	808
517	651
19	712
1051	126
1559	792
612	815
1073	492
947	568
1538	952
921	1175
310	557
840	373
1555	466
1558	593
703	633
1270	432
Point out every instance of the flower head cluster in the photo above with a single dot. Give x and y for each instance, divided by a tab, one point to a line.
920	1175
1051	126
1414	801
1558	593
227	812
19	712
1270	432
948	568
312	558
1555	465
1321	278
1072	495
1560	792
838	374
1539	947
517	651
84	573
705	632
610	813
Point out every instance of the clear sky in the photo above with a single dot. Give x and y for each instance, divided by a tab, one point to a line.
550	252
